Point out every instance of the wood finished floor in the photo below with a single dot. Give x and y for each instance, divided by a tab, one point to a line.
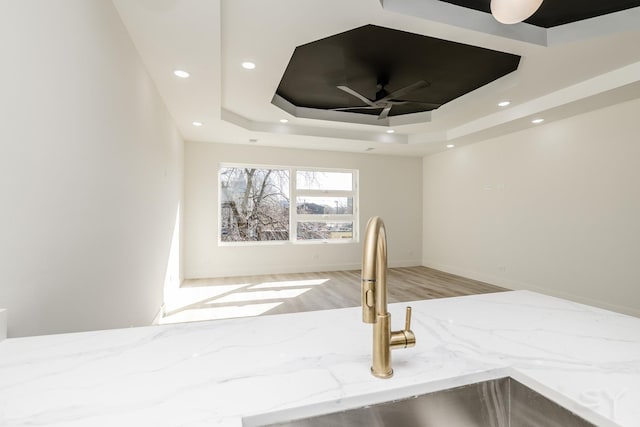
290	293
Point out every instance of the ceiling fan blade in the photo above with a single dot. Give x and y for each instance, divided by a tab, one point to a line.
364	107
357	95
430	104
385	112
400	92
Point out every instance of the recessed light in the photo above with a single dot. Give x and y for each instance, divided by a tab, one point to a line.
284	121
248	65
450	145
504	103
536	121
390	131
198	124
181	73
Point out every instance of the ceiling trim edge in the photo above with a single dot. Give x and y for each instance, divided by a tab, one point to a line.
605	85
292	129
450	14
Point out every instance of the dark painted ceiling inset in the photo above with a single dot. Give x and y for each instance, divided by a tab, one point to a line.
362	58
559	12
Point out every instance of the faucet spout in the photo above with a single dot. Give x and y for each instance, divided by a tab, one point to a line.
374	271
374	300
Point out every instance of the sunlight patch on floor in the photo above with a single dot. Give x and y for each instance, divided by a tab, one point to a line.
290	284
196	303
261	295
184	297
214	313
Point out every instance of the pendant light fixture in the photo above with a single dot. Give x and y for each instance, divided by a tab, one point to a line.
513	11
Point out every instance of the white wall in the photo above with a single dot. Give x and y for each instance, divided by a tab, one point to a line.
390	187
90	171
555	208
3	324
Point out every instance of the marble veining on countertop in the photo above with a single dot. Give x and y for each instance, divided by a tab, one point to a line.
217	372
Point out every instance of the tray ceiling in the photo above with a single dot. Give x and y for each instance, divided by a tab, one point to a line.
564	70
559	12
375	61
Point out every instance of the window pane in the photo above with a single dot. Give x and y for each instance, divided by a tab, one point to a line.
325	230
319	180
254	204
324	205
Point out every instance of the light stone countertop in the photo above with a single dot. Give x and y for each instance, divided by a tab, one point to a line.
215	373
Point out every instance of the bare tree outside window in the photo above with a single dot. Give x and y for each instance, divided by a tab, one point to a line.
255	204
322	180
324	230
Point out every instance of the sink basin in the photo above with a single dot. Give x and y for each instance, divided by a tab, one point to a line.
501	402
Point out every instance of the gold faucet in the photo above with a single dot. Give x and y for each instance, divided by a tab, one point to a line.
374	301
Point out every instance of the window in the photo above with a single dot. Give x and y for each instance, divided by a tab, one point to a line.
254	204
271	204
324	205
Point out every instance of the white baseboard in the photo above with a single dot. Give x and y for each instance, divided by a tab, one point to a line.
584	300
471	274
518	285
405	263
159	315
310	268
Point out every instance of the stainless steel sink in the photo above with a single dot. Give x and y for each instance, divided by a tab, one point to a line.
502	402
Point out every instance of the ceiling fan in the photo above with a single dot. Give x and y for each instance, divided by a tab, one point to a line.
385	100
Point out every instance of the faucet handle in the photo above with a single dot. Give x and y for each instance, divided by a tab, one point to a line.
407	321
405	338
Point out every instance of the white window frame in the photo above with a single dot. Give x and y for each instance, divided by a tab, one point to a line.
294	217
